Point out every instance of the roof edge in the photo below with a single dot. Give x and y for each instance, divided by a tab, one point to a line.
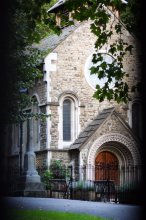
56	5
109	110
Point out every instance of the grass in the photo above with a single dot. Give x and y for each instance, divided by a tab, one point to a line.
48	215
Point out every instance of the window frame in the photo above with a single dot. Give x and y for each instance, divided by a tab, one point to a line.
74	120
67	124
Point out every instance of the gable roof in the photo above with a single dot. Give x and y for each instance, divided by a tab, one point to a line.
52	41
91	128
96	124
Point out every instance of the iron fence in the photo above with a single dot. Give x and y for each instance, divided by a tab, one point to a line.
120	184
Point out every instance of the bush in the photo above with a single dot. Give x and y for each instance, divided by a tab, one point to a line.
47	175
57	170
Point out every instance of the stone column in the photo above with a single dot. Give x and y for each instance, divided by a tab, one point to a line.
30	171
30	182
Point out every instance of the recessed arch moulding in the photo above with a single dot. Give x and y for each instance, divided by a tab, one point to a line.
124	148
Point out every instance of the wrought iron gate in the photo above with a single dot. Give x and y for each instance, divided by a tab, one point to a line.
107	179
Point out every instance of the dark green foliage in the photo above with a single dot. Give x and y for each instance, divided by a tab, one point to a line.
25	26
28	22
98	13
57	170
131	16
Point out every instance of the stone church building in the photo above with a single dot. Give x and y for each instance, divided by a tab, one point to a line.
80	131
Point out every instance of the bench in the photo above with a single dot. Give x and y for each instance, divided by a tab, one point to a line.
104	190
60	186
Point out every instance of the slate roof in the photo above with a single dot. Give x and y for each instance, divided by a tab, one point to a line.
54	40
91	128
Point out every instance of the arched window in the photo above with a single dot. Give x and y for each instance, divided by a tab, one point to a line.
66	120
68	126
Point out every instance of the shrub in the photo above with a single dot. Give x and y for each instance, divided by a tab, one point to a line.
57	170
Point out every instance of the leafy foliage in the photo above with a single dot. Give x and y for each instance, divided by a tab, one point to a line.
25	26
47	175
100	13
57	170
131	16
28	22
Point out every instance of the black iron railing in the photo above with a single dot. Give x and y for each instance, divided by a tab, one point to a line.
125	188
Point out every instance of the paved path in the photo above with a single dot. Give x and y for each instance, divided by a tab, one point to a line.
107	210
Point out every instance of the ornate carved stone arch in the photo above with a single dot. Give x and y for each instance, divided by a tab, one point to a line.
130	144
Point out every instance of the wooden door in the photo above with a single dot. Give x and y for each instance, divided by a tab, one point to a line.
106	166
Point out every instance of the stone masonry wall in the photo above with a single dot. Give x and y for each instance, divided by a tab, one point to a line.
72	54
40	90
61	155
71	57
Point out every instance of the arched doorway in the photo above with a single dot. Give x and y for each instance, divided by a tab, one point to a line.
106	167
